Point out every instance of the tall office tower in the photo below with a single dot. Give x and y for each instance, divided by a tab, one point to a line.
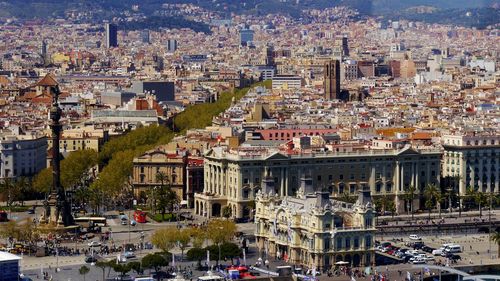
111	35
145	36
270	55
246	36
343	43
332	79
171	45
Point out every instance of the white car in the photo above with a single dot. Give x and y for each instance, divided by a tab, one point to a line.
438	252
415	237
94	244
418	261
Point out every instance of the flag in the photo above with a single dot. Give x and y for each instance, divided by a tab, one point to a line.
173	260
244	257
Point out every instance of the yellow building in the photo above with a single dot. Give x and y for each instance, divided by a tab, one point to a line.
82	138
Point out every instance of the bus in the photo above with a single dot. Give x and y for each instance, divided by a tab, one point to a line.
90	222
3	216
140	216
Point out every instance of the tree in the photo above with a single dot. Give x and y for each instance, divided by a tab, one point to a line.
346	197
121	268
432	195
409	196
196	254
74	168
496	238
83	271
226	212
136	266
183	238
102	264
155	261
198	236
220	231
165	238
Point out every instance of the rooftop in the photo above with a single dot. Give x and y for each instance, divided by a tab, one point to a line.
4	256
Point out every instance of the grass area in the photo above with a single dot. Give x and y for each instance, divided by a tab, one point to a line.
15	208
159	218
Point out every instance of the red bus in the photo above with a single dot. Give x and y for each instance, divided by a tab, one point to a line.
139	216
3	216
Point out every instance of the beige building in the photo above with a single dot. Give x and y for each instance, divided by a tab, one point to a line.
184	173
312	229
233	177
82	138
474	160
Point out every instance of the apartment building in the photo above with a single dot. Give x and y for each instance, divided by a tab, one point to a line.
22	155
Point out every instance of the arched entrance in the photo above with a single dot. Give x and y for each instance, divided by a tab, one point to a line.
216	208
356	260
246	212
348	258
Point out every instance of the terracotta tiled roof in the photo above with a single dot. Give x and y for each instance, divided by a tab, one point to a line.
48	80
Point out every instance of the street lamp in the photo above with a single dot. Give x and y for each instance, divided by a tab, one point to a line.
449	190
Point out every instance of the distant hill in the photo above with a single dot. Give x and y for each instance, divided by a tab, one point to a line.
440	11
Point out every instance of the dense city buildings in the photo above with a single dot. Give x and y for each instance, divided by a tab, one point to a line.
313	123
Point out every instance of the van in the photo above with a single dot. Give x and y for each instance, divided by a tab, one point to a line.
415	237
453	249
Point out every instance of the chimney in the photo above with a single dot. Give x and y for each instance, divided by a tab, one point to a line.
306	185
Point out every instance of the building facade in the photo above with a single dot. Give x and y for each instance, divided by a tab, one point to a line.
332	80
233	177
314	230
111	35
473	160
184	173
22	155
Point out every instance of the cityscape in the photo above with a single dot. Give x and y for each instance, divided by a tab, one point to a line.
250	139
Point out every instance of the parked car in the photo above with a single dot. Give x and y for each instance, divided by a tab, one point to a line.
94	244
437	252
415	237
129	254
418	261
90	259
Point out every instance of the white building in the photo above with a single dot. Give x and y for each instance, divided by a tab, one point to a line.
22	155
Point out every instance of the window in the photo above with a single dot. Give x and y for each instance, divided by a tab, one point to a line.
327	244
142	170
378	187
142	177
339	243
388	187
341	176
245	181
368	241
356	242
330	177
352	188
348	242
319	178
245	193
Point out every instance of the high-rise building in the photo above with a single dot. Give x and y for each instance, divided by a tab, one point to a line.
270	55
246	36
145	36
343	43
171	45
111	35
332	79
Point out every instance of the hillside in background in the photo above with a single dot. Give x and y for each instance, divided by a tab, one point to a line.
434	11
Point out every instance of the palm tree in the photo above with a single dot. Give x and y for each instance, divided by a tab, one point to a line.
432	194
409	196
496	238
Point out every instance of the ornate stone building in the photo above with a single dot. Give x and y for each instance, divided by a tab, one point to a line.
313	230
233	176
